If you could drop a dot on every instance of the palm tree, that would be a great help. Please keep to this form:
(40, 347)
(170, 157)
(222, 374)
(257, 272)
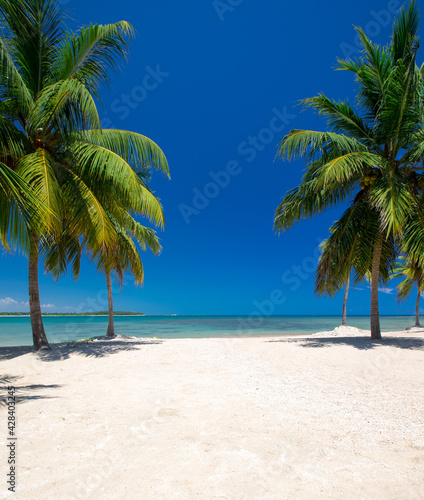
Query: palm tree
(49, 79)
(350, 248)
(324, 285)
(125, 257)
(413, 274)
(371, 155)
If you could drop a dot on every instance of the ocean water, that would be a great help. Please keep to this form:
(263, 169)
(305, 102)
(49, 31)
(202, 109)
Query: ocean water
(16, 331)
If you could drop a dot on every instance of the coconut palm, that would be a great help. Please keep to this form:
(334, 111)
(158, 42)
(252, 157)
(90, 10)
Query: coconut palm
(49, 80)
(413, 274)
(125, 257)
(324, 285)
(371, 155)
(350, 248)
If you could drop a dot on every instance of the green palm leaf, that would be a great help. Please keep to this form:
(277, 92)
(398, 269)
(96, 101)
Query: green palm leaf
(38, 171)
(63, 106)
(33, 29)
(103, 165)
(136, 149)
(89, 217)
(88, 55)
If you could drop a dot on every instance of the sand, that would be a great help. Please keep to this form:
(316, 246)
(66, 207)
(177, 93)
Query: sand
(329, 416)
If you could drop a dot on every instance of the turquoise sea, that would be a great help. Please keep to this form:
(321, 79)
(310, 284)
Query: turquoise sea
(15, 331)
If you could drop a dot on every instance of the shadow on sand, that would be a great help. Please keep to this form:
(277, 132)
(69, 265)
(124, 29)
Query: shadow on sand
(91, 349)
(363, 343)
(22, 393)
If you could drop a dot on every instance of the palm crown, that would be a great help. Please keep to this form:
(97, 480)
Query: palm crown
(52, 141)
(372, 157)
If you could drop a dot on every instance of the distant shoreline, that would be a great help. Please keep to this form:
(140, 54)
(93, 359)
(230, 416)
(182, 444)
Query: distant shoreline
(123, 313)
(100, 313)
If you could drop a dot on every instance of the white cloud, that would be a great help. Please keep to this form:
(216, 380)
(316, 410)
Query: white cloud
(8, 304)
(387, 291)
(48, 306)
(7, 301)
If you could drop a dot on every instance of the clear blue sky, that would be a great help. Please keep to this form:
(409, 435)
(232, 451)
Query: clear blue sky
(215, 84)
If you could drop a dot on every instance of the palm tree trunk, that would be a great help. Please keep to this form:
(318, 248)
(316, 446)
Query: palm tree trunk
(375, 274)
(417, 307)
(110, 326)
(346, 293)
(38, 333)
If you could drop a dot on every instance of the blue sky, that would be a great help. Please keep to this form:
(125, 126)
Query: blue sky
(216, 84)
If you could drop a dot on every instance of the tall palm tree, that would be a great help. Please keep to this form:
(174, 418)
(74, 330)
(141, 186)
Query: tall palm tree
(413, 274)
(49, 80)
(321, 284)
(371, 155)
(326, 286)
(350, 248)
(125, 257)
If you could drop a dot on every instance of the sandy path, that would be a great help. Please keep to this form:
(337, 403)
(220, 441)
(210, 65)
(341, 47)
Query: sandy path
(256, 418)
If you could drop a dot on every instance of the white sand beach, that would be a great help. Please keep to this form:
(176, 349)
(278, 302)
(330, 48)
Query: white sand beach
(327, 416)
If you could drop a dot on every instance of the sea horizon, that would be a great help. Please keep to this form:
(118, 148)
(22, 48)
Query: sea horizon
(16, 330)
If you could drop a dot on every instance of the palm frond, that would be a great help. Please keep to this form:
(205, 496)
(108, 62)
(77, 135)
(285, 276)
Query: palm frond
(12, 80)
(343, 119)
(306, 201)
(89, 55)
(38, 172)
(61, 250)
(63, 107)
(405, 30)
(34, 31)
(391, 196)
(99, 165)
(145, 236)
(347, 167)
(88, 217)
(137, 150)
(371, 71)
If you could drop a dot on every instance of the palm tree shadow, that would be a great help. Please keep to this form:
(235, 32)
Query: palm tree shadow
(22, 393)
(361, 343)
(90, 349)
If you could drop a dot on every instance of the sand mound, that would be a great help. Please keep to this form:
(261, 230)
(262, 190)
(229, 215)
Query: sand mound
(343, 331)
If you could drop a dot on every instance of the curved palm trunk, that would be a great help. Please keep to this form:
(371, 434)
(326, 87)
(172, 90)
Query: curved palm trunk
(110, 326)
(346, 293)
(417, 308)
(375, 274)
(38, 333)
